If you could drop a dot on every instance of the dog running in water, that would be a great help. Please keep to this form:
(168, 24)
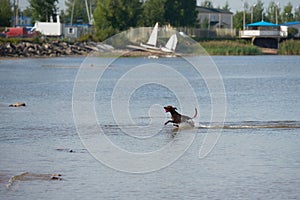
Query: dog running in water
(178, 118)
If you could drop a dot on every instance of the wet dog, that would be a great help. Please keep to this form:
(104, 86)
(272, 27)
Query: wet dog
(178, 118)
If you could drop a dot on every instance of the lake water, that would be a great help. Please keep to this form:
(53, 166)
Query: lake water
(256, 157)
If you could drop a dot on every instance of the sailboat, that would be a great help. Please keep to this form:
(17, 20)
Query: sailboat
(171, 44)
(151, 44)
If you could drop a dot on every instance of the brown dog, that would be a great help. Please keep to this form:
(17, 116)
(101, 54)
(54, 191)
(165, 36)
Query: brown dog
(178, 118)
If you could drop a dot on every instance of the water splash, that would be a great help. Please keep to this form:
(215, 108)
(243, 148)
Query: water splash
(253, 125)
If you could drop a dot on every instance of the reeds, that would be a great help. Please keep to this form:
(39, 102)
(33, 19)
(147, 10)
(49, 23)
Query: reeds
(290, 47)
(229, 47)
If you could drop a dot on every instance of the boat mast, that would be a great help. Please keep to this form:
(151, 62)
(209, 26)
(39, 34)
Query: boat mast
(72, 12)
(87, 11)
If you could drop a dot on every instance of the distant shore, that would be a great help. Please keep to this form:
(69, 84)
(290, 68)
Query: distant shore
(56, 48)
(241, 47)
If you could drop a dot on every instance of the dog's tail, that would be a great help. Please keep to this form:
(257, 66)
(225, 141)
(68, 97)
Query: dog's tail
(196, 113)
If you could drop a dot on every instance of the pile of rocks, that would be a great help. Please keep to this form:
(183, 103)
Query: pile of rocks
(51, 49)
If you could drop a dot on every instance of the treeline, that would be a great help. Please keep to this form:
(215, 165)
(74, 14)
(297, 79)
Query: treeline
(272, 13)
(113, 16)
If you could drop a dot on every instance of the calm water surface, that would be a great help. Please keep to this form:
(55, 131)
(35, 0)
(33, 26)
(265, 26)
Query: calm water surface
(256, 157)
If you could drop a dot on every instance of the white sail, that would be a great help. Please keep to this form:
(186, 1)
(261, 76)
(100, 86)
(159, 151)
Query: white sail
(153, 37)
(171, 44)
(151, 44)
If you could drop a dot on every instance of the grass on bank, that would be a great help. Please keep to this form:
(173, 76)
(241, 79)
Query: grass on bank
(289, 47)
(230, 47)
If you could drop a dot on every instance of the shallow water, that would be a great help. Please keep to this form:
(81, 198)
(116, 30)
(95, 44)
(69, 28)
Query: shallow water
(256, 157)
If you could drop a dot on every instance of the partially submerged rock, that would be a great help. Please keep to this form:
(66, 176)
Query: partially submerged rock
(18, 104)
(27, 176)
(71, 150)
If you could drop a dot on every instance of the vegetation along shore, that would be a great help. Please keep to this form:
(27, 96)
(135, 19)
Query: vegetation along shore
(242, 47)
(54, 48)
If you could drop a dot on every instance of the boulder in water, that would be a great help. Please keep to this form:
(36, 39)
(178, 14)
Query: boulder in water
(27, 176)
(18, 104)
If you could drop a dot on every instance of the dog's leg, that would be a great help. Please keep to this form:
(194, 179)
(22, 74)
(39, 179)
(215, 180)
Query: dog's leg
(170, 121)
(176, 125)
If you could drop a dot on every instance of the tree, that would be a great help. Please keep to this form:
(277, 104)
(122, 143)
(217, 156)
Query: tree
(43, 10)
(112, 16)
(273, 12)
(181, 12)
(238, 20)
(5, 12)
(188, 13)
(207, 4)
(292, 32)
(28, 12)
(287, 15)
(153, 11)
(63, 17)
(258, 10)
(79, 11)
(172, 10)
(226, 6)
(297, 13)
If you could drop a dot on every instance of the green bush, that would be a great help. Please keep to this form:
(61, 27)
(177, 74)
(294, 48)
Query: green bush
(290, 47)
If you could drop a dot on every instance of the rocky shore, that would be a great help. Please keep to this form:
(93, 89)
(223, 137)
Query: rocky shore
(58, 48)
(49, 49)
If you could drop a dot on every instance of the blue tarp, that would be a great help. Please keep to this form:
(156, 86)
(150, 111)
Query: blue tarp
(263, 23)
(291, 23)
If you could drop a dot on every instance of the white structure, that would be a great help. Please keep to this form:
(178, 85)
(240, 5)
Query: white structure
(49, 28)
(264, 29)
(284, 31)
(216, 18)
(295, 25)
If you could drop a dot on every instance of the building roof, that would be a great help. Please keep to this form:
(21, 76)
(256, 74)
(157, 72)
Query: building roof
(202, 9)
(263, 23)
(77, 25)
(291, 23)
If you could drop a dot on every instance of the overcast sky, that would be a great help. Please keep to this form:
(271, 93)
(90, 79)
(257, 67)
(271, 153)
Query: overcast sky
(238, 4)
(233, 4)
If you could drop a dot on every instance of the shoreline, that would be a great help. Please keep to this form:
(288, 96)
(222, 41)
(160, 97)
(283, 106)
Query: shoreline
(134, 55)
(29, 49)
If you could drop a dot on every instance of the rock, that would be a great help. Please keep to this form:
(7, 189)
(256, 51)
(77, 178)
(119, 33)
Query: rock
(55, 177)
(10, 46)
(18, 104)
(67, 150)
(68, 51)
(52, 49)
(27, 176)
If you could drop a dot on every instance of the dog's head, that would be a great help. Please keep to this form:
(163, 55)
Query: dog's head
(170, 108)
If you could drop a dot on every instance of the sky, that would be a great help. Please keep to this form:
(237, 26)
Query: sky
(238, 4)
(233, 4)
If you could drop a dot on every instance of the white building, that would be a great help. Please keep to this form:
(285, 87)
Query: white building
(215, 18)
